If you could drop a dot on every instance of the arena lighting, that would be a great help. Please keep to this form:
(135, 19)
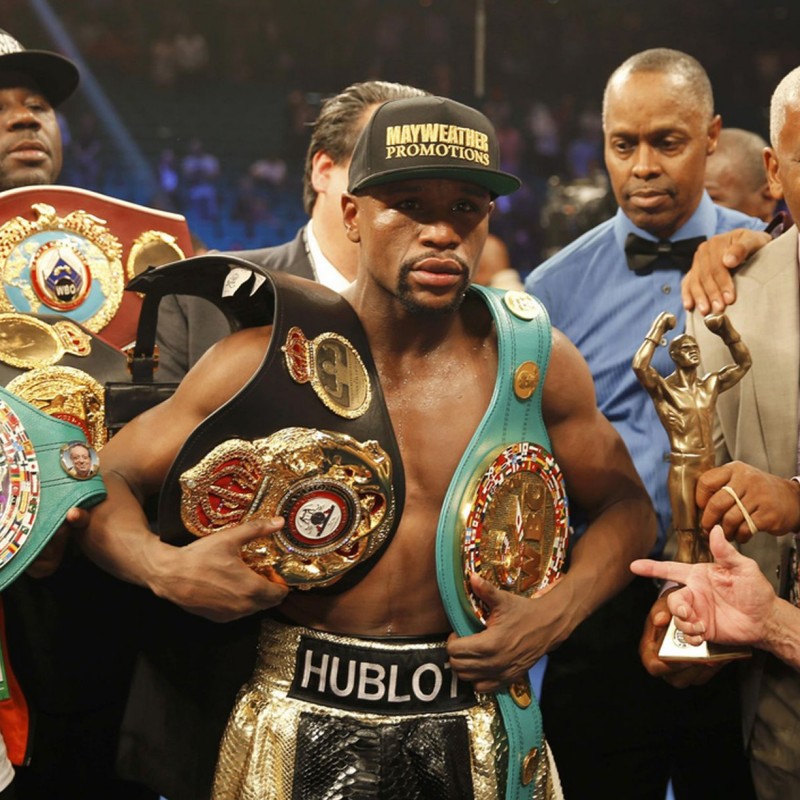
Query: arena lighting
(98, 100)
(480, 48)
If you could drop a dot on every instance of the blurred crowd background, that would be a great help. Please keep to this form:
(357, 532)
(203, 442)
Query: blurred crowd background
(202, 106)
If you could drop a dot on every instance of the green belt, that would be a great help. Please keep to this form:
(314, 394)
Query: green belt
(35, 483)
(523, 336)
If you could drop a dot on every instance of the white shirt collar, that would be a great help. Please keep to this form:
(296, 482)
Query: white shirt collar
(324, 271)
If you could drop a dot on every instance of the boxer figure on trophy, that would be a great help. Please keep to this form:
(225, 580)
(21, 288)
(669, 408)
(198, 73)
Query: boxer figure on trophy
(685, 403)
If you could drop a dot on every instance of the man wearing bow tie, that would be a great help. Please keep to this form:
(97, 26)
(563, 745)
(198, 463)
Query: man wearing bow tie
(608, 721)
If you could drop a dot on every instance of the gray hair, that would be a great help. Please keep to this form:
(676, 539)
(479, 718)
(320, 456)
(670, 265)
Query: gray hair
(786, 94)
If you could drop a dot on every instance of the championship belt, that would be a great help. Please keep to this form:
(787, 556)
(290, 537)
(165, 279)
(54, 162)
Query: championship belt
(505, 512)
(308, 437)
(46, 468)
(70, 252)
(335, 494)
(59, 367)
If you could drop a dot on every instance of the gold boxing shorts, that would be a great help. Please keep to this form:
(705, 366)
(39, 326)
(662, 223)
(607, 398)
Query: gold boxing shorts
(331, 716)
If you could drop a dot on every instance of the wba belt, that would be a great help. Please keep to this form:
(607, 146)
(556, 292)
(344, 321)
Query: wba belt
(505, 512)
(337, 480)
(39, 482)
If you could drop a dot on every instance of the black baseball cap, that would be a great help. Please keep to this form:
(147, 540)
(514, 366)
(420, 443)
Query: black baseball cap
(428, 137)
(55, 75)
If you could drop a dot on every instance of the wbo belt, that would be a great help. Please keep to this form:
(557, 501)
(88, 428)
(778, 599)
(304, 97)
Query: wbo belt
(46, 468)
(505, 512)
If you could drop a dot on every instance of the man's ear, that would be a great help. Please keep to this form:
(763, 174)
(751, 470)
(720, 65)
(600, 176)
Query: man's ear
(713, 134)
(773, 169)
(350, 217)
(321, 165)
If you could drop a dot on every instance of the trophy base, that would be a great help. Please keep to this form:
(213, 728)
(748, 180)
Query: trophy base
(676, 648)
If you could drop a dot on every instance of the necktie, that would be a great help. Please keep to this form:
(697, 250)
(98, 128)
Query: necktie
(645, 255)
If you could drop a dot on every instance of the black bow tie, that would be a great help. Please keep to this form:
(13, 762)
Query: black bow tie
(645, 255)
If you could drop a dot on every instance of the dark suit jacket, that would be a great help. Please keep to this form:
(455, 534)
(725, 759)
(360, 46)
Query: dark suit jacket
(188, 326)
(189, 669)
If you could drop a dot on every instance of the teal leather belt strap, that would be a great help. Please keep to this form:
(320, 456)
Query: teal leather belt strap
(514, 415)
(38, 481)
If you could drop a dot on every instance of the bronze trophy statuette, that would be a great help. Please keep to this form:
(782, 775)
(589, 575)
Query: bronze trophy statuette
(685, 403)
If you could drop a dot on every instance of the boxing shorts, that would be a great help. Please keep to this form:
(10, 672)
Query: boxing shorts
(326, 715)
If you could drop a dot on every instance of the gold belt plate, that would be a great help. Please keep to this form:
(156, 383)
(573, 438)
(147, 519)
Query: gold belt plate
(334, 493)
(333, 367)
(71, 265)
(30, 343)
(66, 393)
(516, 527)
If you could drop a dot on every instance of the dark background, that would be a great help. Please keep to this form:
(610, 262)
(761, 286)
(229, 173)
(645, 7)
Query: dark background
(268, 64)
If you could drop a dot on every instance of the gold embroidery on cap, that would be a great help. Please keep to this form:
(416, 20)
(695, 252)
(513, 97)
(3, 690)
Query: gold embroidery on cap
(437, 140)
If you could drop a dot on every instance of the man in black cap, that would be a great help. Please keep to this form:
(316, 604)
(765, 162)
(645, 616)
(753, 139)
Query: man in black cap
(188, 326)
(358, 688)
(32, 84)
(190, 665)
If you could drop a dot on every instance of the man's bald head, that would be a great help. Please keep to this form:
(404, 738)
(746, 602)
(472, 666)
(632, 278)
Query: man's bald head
(736, 176)
(665, 61)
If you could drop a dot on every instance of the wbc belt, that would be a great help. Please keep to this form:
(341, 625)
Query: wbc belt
(39, 482)
(505, 512)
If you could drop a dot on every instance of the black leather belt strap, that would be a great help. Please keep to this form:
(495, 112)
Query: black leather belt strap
(272, 400)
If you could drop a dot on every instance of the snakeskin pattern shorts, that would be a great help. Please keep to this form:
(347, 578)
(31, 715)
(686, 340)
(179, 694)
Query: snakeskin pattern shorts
(329, 717)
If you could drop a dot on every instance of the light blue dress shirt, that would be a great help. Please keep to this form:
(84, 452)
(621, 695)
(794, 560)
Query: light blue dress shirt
(605, 309)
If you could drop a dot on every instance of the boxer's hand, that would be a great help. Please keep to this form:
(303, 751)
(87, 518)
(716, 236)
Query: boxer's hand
(52, 554)
(208, 576)
(518, 632)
